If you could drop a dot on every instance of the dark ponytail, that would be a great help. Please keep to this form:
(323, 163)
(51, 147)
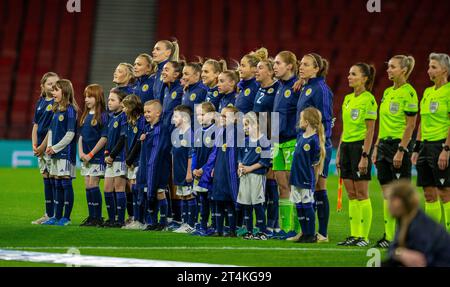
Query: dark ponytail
(320, 63)
(368, 71)
(178, 67)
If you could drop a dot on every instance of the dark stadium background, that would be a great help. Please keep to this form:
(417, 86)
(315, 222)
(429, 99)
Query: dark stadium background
(37, 36)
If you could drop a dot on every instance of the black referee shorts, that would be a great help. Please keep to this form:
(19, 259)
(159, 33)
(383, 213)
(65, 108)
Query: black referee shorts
(428, 172)
(350, 156)
(386, 172)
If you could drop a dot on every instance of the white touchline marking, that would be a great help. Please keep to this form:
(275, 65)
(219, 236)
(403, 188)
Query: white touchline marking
(95, 261)
(231, 248)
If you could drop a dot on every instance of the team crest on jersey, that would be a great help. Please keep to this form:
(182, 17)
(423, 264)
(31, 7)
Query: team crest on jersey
(247, 92)
(135, 130)
(258, 150)
(174, 95)
(434, 106)
(93, 122)
(192, 97)
(306, 147)
(49, 108)
(61, 118)
(116, 124)
(230, 105)
(145, 88)
(394, 107)
(287, 94)
(308, 92)
(215, 94)
(224, 147)
(208, 140)
(354, 114)
(271, 90)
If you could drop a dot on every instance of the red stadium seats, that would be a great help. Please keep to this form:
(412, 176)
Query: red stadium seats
(38, 36)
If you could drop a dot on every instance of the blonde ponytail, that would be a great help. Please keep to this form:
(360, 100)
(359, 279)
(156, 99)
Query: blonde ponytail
(406, 62)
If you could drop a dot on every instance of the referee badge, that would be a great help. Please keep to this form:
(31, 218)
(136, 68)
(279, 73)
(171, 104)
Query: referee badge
(145, 88)
(271, 90)
(306, 147)
(224, 147)
(355, 114)
(192, 97)
(116, 124)
(394, 107)
(49, 108)
(434, 106)
(247, 92)
(308, 91)
(61, 118)
(174, 95)
(287, 94)
(258, 150)
(215, 94)
(135, 130)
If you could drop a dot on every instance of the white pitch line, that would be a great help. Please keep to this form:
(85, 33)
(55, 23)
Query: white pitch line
(221, 248)
(95, 261)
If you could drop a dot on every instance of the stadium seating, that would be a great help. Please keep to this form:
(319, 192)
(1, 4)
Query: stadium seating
(37, 36)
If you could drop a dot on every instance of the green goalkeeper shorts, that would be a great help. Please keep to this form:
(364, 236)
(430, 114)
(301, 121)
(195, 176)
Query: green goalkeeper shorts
(283, 155)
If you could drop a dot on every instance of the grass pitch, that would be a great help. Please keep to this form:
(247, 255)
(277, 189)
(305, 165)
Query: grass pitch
(22, 200)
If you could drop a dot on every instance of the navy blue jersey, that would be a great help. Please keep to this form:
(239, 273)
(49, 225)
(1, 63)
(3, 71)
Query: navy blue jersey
(227, 100)
(143, 88)
(306, 156)
(141, 176)
(194, 95)
(214, 97)
(91, 132)
(428, 237)
(158, 85)
(204, 138)
(265, 98)
(285, 105)
(181, 152)
(172, 98)
(133, 134)
(43, 115)
(117, 127)
(224, 160)
(246, 97)
(156, 149)
(129, 90)
(62, 123)
(317, 94)
(256, 151)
